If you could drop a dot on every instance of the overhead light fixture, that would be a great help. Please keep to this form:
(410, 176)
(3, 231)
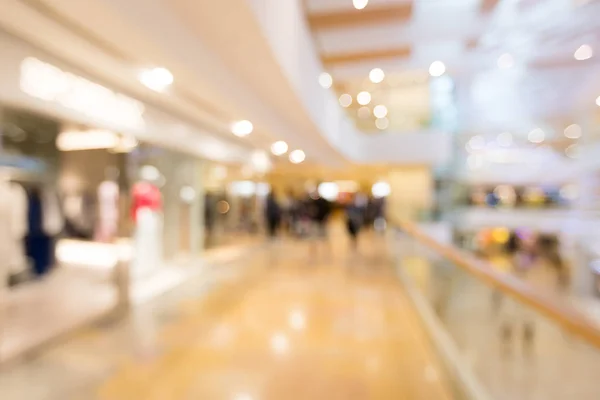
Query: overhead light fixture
(506, 61)
(363, 98)
(345, 100)
(376, 75)
(573, 131)
(584, 52)
(279, 148)
(297, 156)
(242, 128)
(325, 80)
(364, 112)
(157, 79)
(360, 4)
(380, 111)
(93, 139)
(536, 136)
(598, 101)
(505, 139)
(382, 123)
(437, 68)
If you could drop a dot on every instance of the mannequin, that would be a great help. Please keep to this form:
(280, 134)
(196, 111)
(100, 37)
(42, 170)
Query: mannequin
(147, 214)
(5, 231)
(108, 208)
(13, 228)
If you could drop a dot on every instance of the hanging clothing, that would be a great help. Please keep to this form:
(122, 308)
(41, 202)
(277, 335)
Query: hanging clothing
(53, 219)
(39, 245)
(18, 224)
(108, 211)
(13, 228)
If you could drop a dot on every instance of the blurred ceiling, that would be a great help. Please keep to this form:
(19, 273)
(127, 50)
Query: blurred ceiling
(512, 60)
(221, 75)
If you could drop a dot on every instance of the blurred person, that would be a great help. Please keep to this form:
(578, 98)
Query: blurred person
(513, 314)
(549, 248)
(319, 210)
(289, 206)
(272, 214)
(355, 218)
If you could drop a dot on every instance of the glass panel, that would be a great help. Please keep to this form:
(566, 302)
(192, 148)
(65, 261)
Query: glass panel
(515, 352)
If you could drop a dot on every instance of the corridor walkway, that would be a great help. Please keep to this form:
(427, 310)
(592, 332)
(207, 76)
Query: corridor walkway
(281, 323)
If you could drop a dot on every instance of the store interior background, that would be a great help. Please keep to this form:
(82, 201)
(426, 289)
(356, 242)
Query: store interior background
(138, 186)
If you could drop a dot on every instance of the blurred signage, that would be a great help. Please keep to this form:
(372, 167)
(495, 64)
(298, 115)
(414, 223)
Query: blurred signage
(21, 163)
(47, 82)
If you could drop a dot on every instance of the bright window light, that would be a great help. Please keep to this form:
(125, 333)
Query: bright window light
(279, 148)
(297, 156)
(242, 128)
(157, 79)
(376, 75)
(437, 68)
(325, 80)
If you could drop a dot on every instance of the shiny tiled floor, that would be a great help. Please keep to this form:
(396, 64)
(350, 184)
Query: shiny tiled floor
(283, 322)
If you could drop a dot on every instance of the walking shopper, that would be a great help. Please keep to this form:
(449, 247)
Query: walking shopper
(273, 214)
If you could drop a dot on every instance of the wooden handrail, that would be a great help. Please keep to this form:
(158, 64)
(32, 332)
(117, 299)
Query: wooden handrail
(562, 314)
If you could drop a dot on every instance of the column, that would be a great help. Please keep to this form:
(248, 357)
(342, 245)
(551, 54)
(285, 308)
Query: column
(412, 191)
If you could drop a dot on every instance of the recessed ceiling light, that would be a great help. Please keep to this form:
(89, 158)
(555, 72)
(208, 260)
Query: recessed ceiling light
(157, 79)
(360, 4)
(504, 139)
(364, 112)
(380, 111)
(376, 75)
(297, 156)
(437, 68)
(242, 128)
(363, 98)
(325, 80)
(573, 131)
(506, 61)
(572, 151)
(382, 123)
(476, 143)
(279, 148)
(345, 100)
(536, 136)
(584, 52)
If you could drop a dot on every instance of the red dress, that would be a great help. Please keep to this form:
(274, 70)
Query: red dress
(145, 195)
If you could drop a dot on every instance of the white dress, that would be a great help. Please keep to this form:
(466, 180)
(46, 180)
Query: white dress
(13, 229)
